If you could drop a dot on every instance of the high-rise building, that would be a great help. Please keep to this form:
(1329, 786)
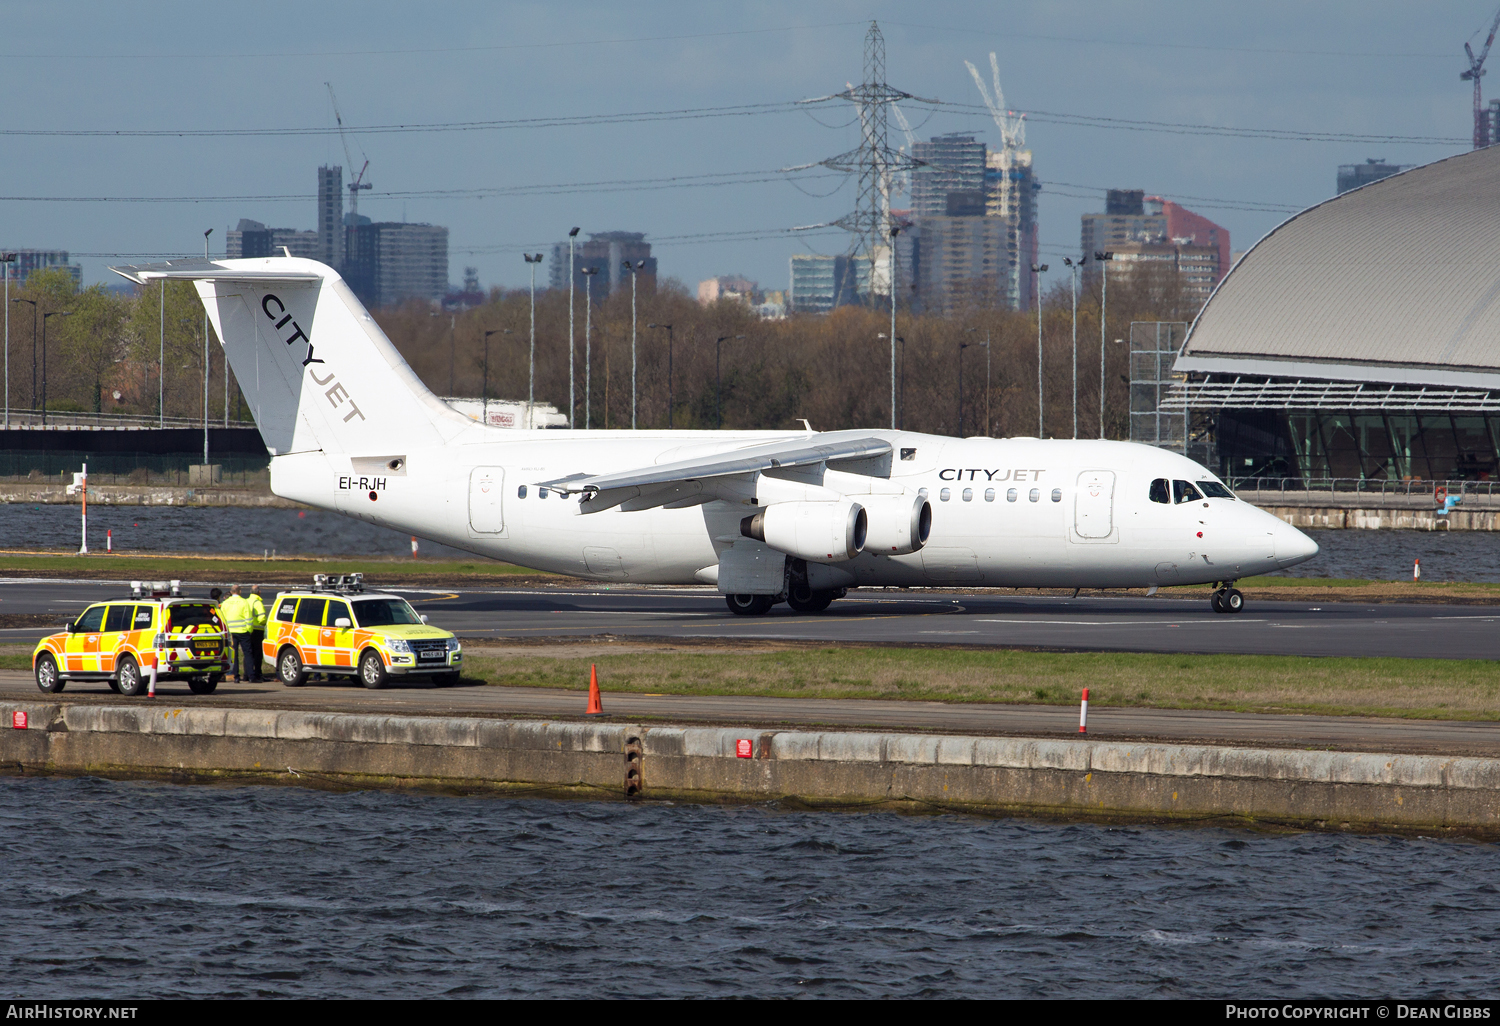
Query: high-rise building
(607, 251)
(31, 260)
(952, 261)
(729, 286)
(1141, 229)
(950, 163)
(1352, 176)
(253, 239)
(821, 283)
(331, 215)
(389, 262)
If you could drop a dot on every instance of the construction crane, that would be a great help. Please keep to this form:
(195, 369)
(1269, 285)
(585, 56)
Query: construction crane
(357, 181)
(1476, 70)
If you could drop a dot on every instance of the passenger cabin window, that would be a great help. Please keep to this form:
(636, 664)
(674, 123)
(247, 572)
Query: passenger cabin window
(521, 492)
(1214, 490)
(541, 493)
(310, 612)
(922, 493)
(286, 611)
(1010, 495)
(968, 495)
(142, 618)
(1036, 494)
(1184, 491)
(91, 620)
(118, 618)
(1161, 491)
(989, 495)
(945, 494)
(1057, 495)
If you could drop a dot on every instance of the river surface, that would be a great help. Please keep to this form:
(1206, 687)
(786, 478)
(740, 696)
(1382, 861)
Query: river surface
(1375, 555)
(119, 890)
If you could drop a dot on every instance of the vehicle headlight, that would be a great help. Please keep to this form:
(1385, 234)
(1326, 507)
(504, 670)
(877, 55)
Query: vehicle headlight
(454, 646)
(398, 645)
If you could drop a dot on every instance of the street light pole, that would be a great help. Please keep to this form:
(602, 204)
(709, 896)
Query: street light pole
(588, 353)
(33, 344)
(1036, 272)
(719, 381)
(484, 403)
(572, 402)
(634, 274)
(7, 259)
(901, 421)
(205, 361)
(1075, 268)
(1103, 261)
(49, 313)
(161, 367)
(894, 232)
(532, 261)
(988, 427)
(669, 370)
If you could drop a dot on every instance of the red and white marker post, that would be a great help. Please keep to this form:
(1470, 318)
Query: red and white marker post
(1416, 570)
(109, 541)
(413, 546)
(1083, 713)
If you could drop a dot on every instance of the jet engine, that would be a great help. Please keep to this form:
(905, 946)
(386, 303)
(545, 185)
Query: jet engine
(899, 524)
(817, 531)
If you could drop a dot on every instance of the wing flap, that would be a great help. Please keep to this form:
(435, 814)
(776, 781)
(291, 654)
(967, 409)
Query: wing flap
(794, 452)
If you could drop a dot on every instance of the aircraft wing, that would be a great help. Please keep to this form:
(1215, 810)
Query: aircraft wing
(690, 482)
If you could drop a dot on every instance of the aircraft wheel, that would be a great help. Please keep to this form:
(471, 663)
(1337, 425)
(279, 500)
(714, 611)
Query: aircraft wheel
(1233, 601)
(1217, 601)
(749, 605)
(809, 601)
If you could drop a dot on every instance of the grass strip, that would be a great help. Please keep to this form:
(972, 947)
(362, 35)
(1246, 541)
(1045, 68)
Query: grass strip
(1410, 688)
(1404, 688)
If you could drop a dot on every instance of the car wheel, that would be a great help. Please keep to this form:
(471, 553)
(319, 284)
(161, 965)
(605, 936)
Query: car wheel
(128, 678)
(372, 670)
(47, 677)
(204, 685)
(749, 605)
(289, 668)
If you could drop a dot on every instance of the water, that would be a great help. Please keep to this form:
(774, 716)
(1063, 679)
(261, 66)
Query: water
(227, 529)
(1377, 555)
(117, 890)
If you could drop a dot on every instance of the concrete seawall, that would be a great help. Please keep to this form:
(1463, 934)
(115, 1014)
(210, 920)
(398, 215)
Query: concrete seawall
(1087, 779)
(144, 495)
(1386, 518)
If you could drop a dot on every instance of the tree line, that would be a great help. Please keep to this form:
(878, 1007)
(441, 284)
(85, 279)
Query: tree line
(714, 364)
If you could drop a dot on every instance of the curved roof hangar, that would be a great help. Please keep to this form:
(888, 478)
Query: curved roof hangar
(1398, 281)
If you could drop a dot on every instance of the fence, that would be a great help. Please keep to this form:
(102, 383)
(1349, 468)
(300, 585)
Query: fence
(1264, 489)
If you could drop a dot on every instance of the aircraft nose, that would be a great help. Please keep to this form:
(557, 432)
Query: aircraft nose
(1292, 546)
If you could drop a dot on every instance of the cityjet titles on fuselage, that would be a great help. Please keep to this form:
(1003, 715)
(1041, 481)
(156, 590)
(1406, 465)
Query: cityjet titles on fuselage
(989, 475)
(336, 394)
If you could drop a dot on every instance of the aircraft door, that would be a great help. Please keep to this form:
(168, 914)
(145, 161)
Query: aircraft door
(1093, 507)
(486, 485)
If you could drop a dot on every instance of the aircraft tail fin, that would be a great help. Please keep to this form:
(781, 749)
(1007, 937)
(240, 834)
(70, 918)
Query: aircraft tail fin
(316, 369)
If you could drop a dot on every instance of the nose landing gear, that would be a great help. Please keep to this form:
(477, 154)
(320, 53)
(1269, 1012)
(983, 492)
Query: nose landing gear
(1228, 599)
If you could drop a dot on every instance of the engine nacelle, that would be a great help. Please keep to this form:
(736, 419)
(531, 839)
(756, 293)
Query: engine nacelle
(818, 531)
(898, 524)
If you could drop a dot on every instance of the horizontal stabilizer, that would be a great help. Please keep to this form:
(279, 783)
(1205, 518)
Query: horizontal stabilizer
(208, 270)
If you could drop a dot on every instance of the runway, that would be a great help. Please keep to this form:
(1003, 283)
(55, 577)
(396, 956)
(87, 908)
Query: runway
(1000, 619)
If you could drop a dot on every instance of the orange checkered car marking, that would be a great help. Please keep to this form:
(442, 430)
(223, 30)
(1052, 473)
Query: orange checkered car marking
(340, 630)
(183, 638)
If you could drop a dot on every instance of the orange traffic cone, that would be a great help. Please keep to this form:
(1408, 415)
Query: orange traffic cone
(596, 708)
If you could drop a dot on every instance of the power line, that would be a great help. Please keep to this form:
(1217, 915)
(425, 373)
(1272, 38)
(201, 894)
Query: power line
(563, 121)
(417, 50)
(1190, 128)
(710, 180)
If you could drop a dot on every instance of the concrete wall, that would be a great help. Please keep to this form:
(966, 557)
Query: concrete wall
(1376, 518)
(143, 495)
(1096, 779)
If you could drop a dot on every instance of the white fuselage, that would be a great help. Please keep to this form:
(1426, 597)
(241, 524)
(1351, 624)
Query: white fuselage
(1017, 512)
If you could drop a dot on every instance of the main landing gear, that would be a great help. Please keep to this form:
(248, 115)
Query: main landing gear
(1227, 599)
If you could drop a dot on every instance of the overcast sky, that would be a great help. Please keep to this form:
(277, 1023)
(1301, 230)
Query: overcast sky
(1373, 68)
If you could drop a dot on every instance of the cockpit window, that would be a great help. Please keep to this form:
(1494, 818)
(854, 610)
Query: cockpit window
(1214, 490)
(1161, 491)
(1184, 491)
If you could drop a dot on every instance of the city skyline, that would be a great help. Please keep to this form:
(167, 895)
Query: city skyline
(502, 65)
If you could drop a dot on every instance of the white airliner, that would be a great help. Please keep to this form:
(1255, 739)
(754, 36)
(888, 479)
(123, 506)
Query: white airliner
(767, 516)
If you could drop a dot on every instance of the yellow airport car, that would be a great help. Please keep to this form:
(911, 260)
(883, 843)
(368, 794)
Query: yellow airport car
(338, 628)
(121, 641)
